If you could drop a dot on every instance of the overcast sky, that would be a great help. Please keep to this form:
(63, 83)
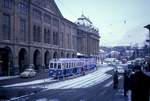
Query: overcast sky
(120, 22)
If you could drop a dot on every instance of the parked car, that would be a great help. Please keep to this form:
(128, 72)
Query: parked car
(28, 73)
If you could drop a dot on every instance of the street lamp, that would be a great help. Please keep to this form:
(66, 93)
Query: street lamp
(148, 27)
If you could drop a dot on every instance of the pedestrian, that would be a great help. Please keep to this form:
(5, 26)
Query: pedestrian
(115, 79)
(140, 85)
(147, 64)
(126, 82)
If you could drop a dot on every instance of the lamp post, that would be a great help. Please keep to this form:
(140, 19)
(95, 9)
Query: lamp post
(148, 27)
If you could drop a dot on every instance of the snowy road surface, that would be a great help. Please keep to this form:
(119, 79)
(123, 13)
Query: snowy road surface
(83, 81)
(88, 80)
(95, 86)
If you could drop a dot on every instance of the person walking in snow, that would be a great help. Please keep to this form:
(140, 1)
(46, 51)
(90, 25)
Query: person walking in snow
(115, 79)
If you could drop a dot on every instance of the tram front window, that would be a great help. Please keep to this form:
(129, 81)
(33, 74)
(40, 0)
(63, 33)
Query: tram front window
(51, 65)
(59, 66)
(67, 65)
(55, 65)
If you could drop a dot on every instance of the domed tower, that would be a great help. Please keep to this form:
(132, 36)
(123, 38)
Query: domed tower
(86, 24)
(88, 37)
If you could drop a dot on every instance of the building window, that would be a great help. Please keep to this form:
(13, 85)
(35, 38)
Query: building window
(55, 22)
(23, 8)
(55, 38)
(47, 19)
(37, 14)
(34, 33)
(7, 4)
(23, 29)
(46, 36)
(22, 26)
(6, 27)
(68, 40)
(39, 29)
(37, 33)
(62, 40)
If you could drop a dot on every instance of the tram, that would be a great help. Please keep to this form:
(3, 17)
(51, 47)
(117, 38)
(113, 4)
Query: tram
(65, 67)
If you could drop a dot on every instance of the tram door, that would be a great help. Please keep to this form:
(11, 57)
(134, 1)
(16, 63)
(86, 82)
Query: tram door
(3, 62)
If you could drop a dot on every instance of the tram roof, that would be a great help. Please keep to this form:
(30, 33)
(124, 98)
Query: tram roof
(67, 59)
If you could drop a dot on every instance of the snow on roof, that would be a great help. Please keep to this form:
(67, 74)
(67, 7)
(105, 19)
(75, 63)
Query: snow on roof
(79, 54)
(110, 59)
(101, 51)
(86, 23)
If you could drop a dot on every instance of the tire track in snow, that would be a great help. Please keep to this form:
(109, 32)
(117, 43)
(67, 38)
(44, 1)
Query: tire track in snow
(84, 81)
(63, 84)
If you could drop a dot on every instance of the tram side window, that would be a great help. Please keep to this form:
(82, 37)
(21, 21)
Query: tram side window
(55, 65)
(63, 65)
(72, 65)
(51, 65)
(59, 66)
(69, 65)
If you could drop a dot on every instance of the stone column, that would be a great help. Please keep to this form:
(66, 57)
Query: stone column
(31, 52)
(51, 31)
(43, 58)
(16, 59)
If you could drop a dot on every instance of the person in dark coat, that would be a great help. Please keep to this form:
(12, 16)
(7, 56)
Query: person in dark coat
(140, 85)
(147, 64)
(126, 82)
(115, 79)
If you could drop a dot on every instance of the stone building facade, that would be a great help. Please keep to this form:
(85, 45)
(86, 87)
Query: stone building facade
(88, 37)
(31, 33)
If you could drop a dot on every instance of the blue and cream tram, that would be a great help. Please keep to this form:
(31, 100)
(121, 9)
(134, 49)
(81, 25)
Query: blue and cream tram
(65, 67)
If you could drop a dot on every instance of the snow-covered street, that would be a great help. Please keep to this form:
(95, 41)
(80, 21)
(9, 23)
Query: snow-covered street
(85, 81)
(96, 84)
(88, 80)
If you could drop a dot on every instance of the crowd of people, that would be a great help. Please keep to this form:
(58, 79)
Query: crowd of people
(136, 80)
